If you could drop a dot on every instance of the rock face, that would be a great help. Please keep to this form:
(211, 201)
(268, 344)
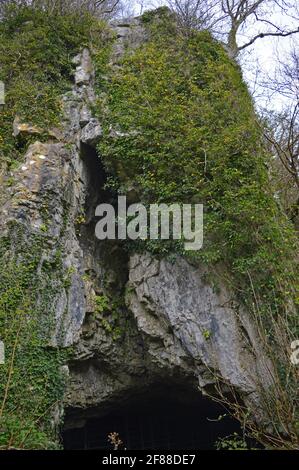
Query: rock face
(47, 198)
(175, 305)
(132, 322)
(176, 323)
(91, 132)
(177, 328)
(44, 200)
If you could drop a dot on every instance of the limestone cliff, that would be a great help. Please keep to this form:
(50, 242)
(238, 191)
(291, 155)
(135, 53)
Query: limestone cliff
(127, 321)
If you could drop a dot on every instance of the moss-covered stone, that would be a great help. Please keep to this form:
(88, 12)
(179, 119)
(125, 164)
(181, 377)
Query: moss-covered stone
(36, 50)
(189, 134)
(32, 367)
(36, 66)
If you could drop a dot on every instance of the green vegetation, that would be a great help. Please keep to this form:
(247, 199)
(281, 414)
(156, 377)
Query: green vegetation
(36, 66)
(31, 382)
(207, 334)
(233, 442)
(108, 313)
(189, 133)
(36, 51)
(102, 303)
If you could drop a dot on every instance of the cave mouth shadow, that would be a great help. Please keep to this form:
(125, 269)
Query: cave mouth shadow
(156, 419)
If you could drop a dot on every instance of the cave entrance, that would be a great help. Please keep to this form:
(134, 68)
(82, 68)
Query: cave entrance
(155, 420)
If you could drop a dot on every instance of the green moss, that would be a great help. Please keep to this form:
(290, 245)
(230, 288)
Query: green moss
(108, 314)
(162, 13)
(36, 66)
(32, 367)
(36, 51)
(207, 334)
(191, 135)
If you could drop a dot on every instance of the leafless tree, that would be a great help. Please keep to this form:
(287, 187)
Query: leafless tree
(229, 19)
(284, 139)
(129, 9)
(195, 14)
(282, 133)
(240, 12)
(285, 80)
(96, 7)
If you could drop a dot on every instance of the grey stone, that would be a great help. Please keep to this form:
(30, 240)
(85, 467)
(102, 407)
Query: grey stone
(84, 70)
(172, 326)
(91, 133)
(85, 115)
(207, 324)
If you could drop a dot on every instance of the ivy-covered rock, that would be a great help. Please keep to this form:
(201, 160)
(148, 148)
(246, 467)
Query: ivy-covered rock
(160, 117)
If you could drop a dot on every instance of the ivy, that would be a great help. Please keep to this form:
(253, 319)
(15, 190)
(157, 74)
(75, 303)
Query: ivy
(189, 134)
(36, 66)
(36, 51)
(32, 367)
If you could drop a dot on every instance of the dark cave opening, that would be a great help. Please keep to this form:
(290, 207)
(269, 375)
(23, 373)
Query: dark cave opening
(96, 179)
(166, 415)
(155, 420)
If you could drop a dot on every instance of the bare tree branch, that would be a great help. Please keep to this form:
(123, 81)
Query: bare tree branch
(234, 16)
(264, 35)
